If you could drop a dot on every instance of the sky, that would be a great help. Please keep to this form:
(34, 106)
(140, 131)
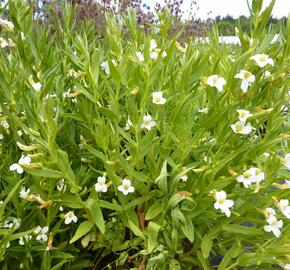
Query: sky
(234, 8)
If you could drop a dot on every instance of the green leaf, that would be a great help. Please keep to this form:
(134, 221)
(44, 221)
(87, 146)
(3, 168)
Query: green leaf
(82, 230)
(153, 229)
(162, 178)
(153, 211)
(96, 213)
(239, 229)
(206, 245)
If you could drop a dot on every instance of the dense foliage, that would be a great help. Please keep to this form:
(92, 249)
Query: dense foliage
(136, 151)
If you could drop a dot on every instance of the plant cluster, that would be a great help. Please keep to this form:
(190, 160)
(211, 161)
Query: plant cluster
(135, 151)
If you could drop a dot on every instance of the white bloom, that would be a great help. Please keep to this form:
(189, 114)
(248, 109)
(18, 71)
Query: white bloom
(184, 178)
(154, 55)
(73, 73)
(140, 56)
(69, 217)
(287, 183)
(41, 233)
(1, 202)
(5, 124)
(158, 98)
(24, 160)
(126, 187)
(101, 185)
(3, 43)
(287, 161)
(24, 193)
(216, 81)
(257, 175)
(148, 123)
(287, 266)
(267, 74)
(164, 54)
(153, 44)
(270, 212)
(274, 225)
(24, 239)
(223, 204)
(204, 110)
(266, 154)
(1, 136)
(245, 178)
(20, 133)
(105, 66)
(284, 207)
(7, 24)
(61, 186)
(128, 124)
(36, 86)
(247, 79)
(13, 224)
(241, 127)
(244, 115)
(262, 60)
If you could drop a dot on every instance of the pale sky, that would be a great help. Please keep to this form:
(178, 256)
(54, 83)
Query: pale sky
(234, 8)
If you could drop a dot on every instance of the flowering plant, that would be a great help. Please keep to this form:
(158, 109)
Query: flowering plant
(138, 152)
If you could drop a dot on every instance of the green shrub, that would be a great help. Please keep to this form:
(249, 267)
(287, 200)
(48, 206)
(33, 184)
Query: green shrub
(118, 153)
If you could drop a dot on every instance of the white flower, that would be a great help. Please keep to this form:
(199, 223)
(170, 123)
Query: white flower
(69, 217)
(1, 136)
(36, 86)
(73, 73)
(274, 225)
(270, 212)
(287, 161)
(158, 98)
(61, 186)
(164, 54)
(5, 124)
(41, 233)
(247, 79)
(1, 202)
(257, 175)
(223, 204)
(216, 81)
(20, 133)
(153, 44)
(24, 193)
(3, 43)
(126, 187)
(284, 207)
(204, 110)
(7, 24)
(245, 178)
(13, 224)
(24, 239)
(148, 123)
(128, 124)
(105, 66)
(287, 266)
(101, 185)
(140, 56)
(267, 74)
(24, 160)
(154, 55)
(241, 127)
(244, 115)
(287, 183)
(262, 60)
(266, 154)
(184, 178)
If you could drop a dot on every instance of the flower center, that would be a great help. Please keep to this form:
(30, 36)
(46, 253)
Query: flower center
(263, 58)
(126, 187)
(239, 127)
